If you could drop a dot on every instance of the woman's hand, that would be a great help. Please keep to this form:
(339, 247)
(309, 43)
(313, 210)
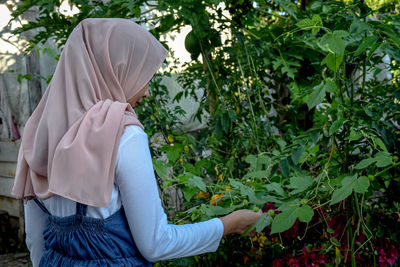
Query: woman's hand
(239, 221)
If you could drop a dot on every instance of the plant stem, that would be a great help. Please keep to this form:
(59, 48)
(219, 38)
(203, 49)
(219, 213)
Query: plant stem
(364, 70)
(388, 168)
(349, 211)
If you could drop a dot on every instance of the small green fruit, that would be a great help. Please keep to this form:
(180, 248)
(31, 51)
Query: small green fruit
(371, 178)
(245, 202)
(271, 213)
(256, 209)
(192, 44)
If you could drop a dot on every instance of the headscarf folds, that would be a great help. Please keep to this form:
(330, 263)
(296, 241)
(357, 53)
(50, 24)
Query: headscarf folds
(71, 140)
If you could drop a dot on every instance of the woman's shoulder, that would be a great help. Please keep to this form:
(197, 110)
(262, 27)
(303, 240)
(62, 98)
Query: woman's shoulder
(132, 132)
(133, 129)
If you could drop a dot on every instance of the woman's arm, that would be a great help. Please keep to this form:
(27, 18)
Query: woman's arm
(35, 222)
(154, 237)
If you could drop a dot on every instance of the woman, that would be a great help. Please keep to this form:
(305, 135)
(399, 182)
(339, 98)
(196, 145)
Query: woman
(84, 160)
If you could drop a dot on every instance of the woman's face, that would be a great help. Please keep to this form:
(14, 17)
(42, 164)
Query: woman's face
(136, 99)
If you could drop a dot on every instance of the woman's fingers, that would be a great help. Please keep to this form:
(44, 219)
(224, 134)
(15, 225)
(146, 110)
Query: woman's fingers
(239, 221)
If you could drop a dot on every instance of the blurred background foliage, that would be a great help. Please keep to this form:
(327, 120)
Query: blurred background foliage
(303, 107)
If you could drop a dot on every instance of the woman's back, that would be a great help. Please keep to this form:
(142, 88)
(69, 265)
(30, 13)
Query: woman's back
(135, 188)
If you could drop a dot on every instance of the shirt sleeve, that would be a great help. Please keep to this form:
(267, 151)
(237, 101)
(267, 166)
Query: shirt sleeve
(154, 237)
(35, 222)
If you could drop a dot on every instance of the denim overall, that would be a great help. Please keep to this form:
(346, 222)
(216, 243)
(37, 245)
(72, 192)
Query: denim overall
(79, 240)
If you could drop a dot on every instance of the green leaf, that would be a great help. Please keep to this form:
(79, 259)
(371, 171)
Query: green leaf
(252, 160)
(387, 183)
(235, 184)
(275, 187)
(262, 160)
(305, 24)
(305, 213)
(286, 66)
(341, 33)
(334, 43)
(318, 22)
(380, 143)
(244, 190)
(361, 185)
(300, 184)
(330, 86)
(189, 192)
(263, 222)
(343, 192)
(173, 151)
(333, 62)
(284, 165)
(340, 194)
(367, 42)
(296, 154)
(368, 112)
(196, 181)
(316, 97)
(317, 19)
(212, 211)
(347, 180)
(354, 135)
(383, 159)
(373, 49)
(336, 125)
(283, 221)
(256, 174)
(161, 168)
(365, 163)
(357, 27)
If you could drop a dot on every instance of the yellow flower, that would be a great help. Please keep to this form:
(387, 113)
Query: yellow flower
(338, 252)
(261, 239)
(202, 194)
(180, 160)
(220, 177)
(236, 93)
(186, 149)
(228, 189)
(237, 110)
(170, 139)
(214, 199)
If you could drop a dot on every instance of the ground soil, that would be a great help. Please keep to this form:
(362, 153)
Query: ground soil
(15, 260)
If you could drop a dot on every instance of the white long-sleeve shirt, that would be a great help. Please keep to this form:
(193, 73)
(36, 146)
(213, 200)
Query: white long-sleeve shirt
(135, 188)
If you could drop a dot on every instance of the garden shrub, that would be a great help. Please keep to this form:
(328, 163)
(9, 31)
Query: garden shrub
(300, 125)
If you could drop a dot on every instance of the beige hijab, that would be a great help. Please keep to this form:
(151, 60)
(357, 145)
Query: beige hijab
(70, 142)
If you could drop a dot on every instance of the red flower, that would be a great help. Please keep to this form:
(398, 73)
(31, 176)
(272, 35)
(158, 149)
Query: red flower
(307, 259)
(292, 232)
(337, 224)
(388, 253)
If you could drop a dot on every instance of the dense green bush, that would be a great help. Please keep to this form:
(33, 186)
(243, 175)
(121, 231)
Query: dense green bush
(300, 124)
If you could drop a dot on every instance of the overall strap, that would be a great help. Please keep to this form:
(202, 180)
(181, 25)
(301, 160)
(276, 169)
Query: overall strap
(41, 206)
(81, 209)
